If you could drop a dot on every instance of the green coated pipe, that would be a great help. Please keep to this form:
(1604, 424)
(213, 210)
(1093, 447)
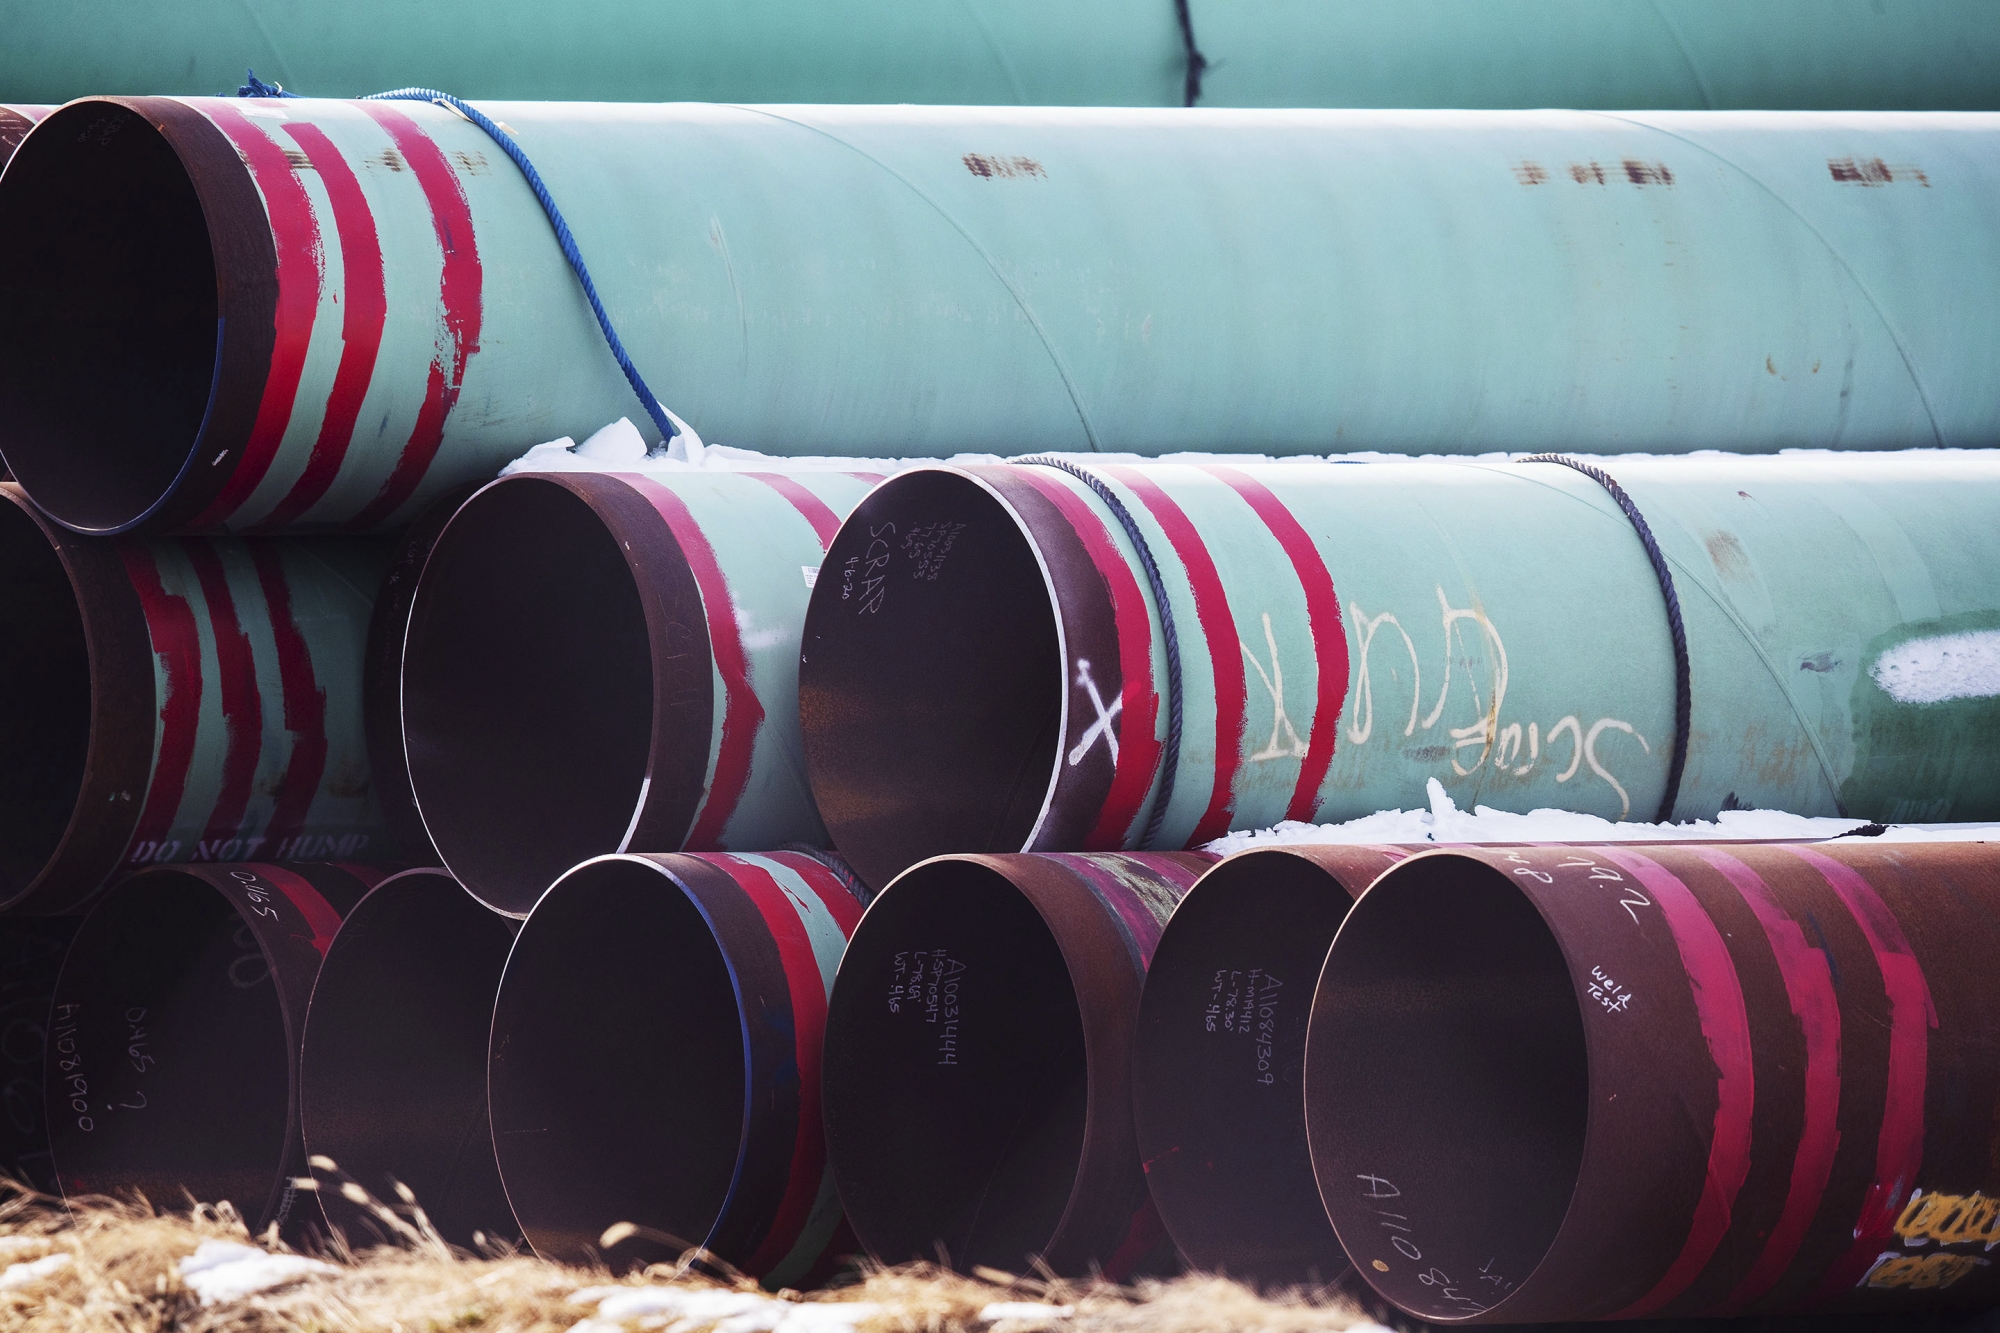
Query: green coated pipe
(984, 667)
(1693, 54)
(266, 314)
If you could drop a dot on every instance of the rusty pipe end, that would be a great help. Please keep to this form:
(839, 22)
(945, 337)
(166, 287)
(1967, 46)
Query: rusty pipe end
(392, 1079)
(133, 228)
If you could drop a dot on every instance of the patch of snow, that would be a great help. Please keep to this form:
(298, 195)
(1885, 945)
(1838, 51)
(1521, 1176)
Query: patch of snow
(686, 1309)
(1940, 668)
(616, 445)
(220, 1271)
(1444, 822)
(20, 1275)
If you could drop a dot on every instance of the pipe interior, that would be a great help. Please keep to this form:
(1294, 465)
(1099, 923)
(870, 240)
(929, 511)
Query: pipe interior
(1448, 1082)
(955, 1100)
(182, 1045)
(932, 700)
(105, 372)
(45, 681)
(617, 1069)
(393, 1075)
(527, 691)
(1219, 1063)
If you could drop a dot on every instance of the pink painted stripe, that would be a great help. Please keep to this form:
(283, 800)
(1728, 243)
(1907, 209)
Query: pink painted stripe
(1899, 1145)
(1725, 1026)
(1218, 627)
(825, 523)
(242, 707)
(364, 311)
(742, 710)
(872, 478)
(1139, 749)
(304, 700)
(839, 903)
(1809, 987)
(176, 643)
(461, 293)
(1329, 634)
(295, 234)
(320, 917)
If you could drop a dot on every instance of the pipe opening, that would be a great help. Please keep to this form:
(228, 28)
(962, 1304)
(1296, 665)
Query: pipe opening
(183, 1060)
(527, 692)
(104, 384)
(618, 1068)
(1219, 1063)
(931, 685)
(956, 1079)
(1447, 1085)
(392, 1082)
(45, 681)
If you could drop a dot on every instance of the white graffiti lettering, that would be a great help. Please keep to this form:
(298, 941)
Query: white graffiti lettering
(1101, 727)
(1274, 684)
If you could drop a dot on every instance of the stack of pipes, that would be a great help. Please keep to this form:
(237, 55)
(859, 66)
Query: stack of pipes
(790, 859)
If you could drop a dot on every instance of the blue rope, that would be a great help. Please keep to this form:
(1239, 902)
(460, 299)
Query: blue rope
(256, 87)
(1170, 762)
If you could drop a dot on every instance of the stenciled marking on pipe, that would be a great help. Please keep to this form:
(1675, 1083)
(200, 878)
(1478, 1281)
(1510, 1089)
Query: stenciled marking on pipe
(176, 644)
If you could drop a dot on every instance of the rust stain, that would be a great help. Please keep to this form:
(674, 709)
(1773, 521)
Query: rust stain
(1873, 172)
(1727, 555)
(1007, 168)
(1585, 173)
(297, 160)
(1647, 173)
(1531, 173)
(1768, 367)
(472, 164)
(389, 158)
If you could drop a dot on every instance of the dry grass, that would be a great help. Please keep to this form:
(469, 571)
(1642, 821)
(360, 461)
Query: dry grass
(123, 1276)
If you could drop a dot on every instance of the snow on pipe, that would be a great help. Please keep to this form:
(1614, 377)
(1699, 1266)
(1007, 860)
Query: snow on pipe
(655, 1062)
(983, 666)
(31, 954)
(325, 313)
(1531, 53)
(392, 1081)
(174, 1037)
(596, 663)
(188, 699)
(1217, 1066)
(1560, 1083)
(1019, 1145)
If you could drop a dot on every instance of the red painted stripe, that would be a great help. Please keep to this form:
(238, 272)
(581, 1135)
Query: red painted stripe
(318, 912)
(1899, 1145)
(1329, 635)
(460, 293)
(1725, 1026)
(1139, 748)
(242, 708)
(176, 641)
(839, 903)
(1144, 1236)
(808, 995)
(1809, 986)
(742, 710)
(305, 701)
(1218, 627)
(825, 523)
(295, 234)
(364, 310)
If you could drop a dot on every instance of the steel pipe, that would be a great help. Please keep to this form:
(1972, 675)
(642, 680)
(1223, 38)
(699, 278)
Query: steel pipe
(978, 1062)
(174, 1037)
(987, 670)
(176, 700)
(1558, 1083)
(392, 1075)
(1218, 1096)
(656, 1061)
(601, 662)
(31, 954)
(333, 311)
(15, 122)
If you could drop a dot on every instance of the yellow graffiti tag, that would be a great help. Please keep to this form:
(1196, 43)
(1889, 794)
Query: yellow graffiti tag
(1950, 1219)
(1920, 1272)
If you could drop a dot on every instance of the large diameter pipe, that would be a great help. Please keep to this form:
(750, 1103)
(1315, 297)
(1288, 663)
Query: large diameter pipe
(31, 955)
(1682, 53)
(1218, 1094)
(174, 1038)
(332, 311)
(601, 662)
(1560, 1083)
(193, 699)
(15, 122)
(655, 1061)
(978, 1062)
(392, 1073)
(985, 668)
